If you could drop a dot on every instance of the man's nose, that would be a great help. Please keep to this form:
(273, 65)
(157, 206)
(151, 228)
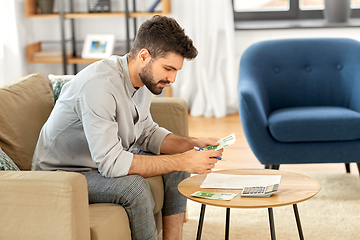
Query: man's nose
(171, 78)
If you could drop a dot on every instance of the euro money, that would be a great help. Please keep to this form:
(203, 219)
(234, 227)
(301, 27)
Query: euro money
(226, 141)
(214, 195)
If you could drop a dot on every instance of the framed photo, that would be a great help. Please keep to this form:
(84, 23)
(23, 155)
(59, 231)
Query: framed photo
(99, 6)
(98, 46)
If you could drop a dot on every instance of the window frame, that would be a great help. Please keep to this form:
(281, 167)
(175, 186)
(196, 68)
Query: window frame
(294, 13)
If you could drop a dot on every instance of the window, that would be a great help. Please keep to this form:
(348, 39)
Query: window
(284, 9)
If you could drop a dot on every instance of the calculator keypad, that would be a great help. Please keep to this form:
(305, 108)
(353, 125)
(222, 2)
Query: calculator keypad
(255, 192)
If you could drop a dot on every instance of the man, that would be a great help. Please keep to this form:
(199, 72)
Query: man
(102, 118)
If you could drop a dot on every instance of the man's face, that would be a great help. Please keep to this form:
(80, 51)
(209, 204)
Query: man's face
(159, 72)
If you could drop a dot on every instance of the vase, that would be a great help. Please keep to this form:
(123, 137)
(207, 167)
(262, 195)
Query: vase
(337, 11)
(45, 6)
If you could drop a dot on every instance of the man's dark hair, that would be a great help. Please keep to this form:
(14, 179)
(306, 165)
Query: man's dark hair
(161, 35)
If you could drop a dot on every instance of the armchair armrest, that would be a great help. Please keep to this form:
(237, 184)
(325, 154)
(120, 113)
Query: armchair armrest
(171, 113)
(254, 102)
(44, 205)
(355, 97)
(254, 110)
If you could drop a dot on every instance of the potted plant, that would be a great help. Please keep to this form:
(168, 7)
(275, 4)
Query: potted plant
(45, 6)
(337, 11)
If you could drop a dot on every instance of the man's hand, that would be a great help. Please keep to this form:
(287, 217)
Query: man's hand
(199, 162)
(173, 144)
(178, 154)
(191, 160)
(204, 142)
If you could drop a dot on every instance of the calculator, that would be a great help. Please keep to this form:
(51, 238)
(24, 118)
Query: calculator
(260, 191)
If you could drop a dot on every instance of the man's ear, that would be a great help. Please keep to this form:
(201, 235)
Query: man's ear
(144, 55)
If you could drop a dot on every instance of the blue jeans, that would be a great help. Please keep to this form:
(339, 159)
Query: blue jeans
(133, 193)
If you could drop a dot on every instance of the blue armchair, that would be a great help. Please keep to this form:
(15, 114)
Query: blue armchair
(299, 101)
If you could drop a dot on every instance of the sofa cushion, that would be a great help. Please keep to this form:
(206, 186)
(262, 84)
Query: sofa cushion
(170, 113)
(6, 163)
(314, 124)
(157, 189)
(25, 106)
(109, 221)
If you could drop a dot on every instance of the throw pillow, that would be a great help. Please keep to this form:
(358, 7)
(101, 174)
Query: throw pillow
(58, 82)
(6, 164)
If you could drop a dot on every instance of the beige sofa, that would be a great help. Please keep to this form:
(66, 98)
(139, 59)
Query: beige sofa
(54, 205)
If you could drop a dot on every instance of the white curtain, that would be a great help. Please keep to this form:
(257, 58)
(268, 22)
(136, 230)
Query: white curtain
(12, 43)
(208, 83)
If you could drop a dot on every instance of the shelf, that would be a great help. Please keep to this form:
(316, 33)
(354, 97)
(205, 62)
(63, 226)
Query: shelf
(112, 14)
(95, 15)
(81, 60)
(30, 12)
(35, 53)
(34, 48)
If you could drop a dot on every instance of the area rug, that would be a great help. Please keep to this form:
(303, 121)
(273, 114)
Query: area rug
(334, 213)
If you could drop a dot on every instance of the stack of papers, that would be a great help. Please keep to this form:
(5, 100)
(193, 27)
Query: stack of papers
(228, 181)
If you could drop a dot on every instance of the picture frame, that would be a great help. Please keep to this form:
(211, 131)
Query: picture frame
(96, 6)
(98, 46)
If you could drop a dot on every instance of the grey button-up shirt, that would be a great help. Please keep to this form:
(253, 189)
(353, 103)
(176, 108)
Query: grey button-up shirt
(97, 119)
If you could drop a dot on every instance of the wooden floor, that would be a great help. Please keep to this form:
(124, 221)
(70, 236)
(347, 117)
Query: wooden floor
(239, 155)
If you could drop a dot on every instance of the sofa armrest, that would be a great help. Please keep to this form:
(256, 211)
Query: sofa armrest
(44, 205)
(171, 113)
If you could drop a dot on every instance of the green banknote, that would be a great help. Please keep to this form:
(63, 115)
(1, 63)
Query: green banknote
(214, 195)
(226, 141)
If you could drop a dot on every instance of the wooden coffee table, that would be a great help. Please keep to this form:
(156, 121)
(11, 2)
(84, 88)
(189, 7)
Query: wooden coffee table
(294, 188)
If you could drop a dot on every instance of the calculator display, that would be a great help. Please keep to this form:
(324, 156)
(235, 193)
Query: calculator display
(271, 188)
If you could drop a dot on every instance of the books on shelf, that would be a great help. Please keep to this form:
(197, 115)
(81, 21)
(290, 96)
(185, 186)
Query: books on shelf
(50, 55)
(154, 5)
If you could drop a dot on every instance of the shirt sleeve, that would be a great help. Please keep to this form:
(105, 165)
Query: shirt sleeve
(96, 107)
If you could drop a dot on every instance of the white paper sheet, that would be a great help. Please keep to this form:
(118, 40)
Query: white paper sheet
(228, 181)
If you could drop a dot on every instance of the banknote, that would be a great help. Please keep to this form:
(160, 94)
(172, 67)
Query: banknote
(226, 141)
(214, 195)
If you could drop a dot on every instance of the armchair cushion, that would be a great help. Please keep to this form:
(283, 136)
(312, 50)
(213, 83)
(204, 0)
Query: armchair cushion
(314, 124)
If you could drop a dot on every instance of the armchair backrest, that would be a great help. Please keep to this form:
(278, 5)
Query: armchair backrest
(304, 72)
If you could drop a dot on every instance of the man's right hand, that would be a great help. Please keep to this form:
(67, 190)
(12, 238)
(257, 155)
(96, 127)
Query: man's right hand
(199, 162)
(192, 161)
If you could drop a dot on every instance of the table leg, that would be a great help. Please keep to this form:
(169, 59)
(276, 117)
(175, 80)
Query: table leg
(227, 226)
(296, 212)
(201, 221)
(272, 225)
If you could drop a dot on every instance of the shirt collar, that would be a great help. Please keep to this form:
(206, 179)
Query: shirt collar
(126, 75)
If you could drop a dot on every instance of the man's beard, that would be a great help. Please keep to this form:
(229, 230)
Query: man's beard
(147, 78)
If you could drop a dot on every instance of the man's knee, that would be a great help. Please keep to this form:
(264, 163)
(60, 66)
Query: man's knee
(138, 192)
(174, 178)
